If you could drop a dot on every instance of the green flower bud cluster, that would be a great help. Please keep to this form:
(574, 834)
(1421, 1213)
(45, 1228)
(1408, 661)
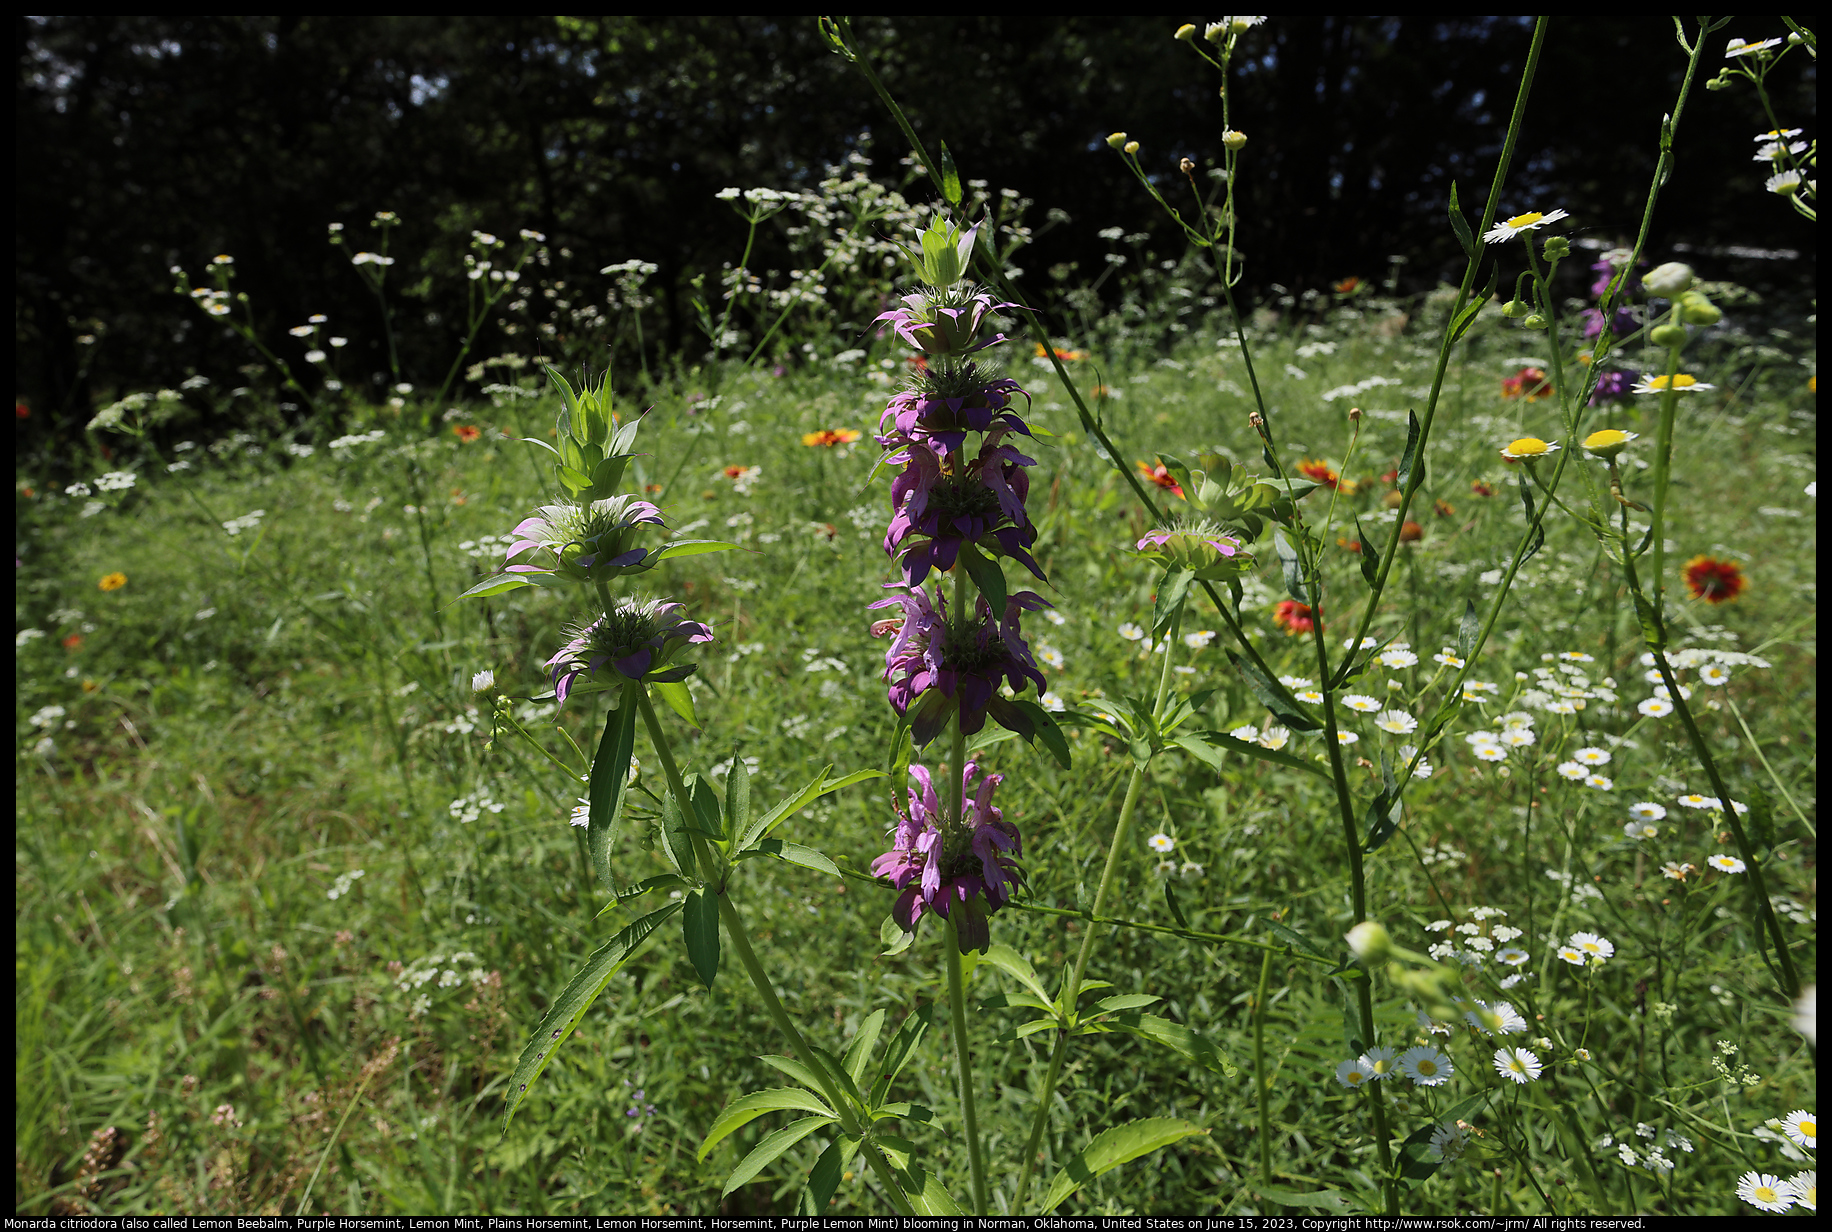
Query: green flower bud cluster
(947, 253)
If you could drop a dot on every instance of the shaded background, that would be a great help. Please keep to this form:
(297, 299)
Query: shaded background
(148, 142)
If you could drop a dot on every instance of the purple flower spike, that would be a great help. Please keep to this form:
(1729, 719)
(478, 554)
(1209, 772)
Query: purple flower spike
(637, 639)
(948, 505)
(943, 422)
(934, 670)
(1622, 321)
(1612, 387)
(962, 873)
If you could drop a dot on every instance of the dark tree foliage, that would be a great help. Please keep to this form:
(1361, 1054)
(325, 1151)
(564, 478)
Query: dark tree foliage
(148, 142)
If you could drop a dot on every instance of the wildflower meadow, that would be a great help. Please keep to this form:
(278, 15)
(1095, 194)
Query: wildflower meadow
(942, 742)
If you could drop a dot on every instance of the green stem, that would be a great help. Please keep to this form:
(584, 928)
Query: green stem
(1261, 1078)
(747, 957)
(957, 1010)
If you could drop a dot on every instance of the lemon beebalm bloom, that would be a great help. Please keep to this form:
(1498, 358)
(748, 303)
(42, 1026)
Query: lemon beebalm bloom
(1680, 383)
(1528, 447)
(1609, 442)
(1520, 224)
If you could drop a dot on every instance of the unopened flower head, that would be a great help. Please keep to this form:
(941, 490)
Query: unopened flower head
(638, 639)
(1200, 547)
(584, 542)
(1609, 442)
(1528, 448)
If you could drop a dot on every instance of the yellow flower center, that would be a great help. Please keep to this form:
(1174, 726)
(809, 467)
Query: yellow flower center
(1678, 381)
(1606, 438)
(1527, 446)
(1809, 1129)
(1355, 1077)
(1523, 220)
(1765, 1194)
(1428, 1069)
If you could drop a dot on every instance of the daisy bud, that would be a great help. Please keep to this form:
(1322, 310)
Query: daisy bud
(1185, 33)
(1116, 140)
(1671, 336)
(1533, 320)
(1668, 280)
(1514, 309)
(1132, 147)
(1354, 414)
(483, 681)
(1557, 248)
(1215, 31)
(1186, 167)
(1370, 941)
(1695, 309)
(1234, 139)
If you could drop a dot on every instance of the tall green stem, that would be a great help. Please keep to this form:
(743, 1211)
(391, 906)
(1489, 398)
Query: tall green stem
(1071, 991)
(957, 1012)
(1260, 1077)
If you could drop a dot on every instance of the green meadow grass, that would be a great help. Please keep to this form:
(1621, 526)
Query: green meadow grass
(254, 717)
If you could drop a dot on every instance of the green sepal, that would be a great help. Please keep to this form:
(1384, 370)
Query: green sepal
(700, 931)
(497, 584)
(892, 936)
(1171, 592)
(950, 177)
(689, 547)
(577, 997)
(679, 699)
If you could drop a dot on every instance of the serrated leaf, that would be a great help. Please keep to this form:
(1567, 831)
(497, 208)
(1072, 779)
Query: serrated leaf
(927, 1195)
(1124, 1001)
(1292, 565)
(1205, 745)
(747, 1108)
(821, 786)
(737, 797)
(1120, 1145)
(1192, 1046)
(1025, 1030)
(679, 700)
(610, 772)
(577, 997)
(841, 1078)
(1009, 1000)
(858, 1053)
(902, 1111)
(662, 881)
(949, 175)
(1410, 459)
(1460, 225)
(1014, 964)
(796, 1070)
(700, 930)
(1273, 695)
(902, 1047)
(1172, 590)
(824, 1178)
(766, 1152)
(795, 853)
(1467, 630)
(1292, 936)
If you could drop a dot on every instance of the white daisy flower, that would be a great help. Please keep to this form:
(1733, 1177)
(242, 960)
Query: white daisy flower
(1490, 752)
(1361, 702)
(1132, 632)
(1347, 737)
(1426, 1066)
(1352, 1074)
(1517, 1065)
(1296, 682)
(1572, 771)
(1765, 1192)
(1520, 224)
(1274, 737)
(1161, 842)
(1802, 1128)
(1726, 864)
(1591, 756)
(1647, 811)
(1397, 658)
(1397, 722)
(1639, 830)
(1602, 782)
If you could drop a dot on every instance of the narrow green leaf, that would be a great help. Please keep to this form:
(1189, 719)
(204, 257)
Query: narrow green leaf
(1273, 695)
(1467, 630)
(1120, 1145)
(1460, 225)
(794, 1069)
(950, 177)
(1333, 1200)
(1170, 900)
(1192, 1046)
(1355, 1032)
(893, 938)
(737, 797)
(674, 838)
(1124, 1001)
(796, 853)
(1526, 501)
(1205, 745)
(610, 771)
(700, 930)
(1410, 459)
(496, 584)
(841, 1078)
(1370, 563)
(1292, 565)
(1292, 936)
(691, 547)
(902, 1111)
(747, 1108)
(902, 1048)
(678, 698)
(858, 1053)
(824, 1178)
(928, 1196)
(766, 1152)
(705, 807)
(821, 786)
(1014, 964)
(1172, 590)
(570, 1006)
(988, 575)
(1011, 1000)
(662, 881)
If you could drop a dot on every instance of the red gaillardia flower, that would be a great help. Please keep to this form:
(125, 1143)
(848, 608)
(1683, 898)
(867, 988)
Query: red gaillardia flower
(1318, 471)
(465, 433)
(1160, 476)
(1294, 617)
(831, 437)
(1528, 383)
(1714, 581)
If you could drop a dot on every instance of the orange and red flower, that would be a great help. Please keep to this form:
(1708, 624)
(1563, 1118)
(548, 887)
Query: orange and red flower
(831, 437)
(1713, 580)
(1294, 617)
(1528, 383)
(1411, 532)
(465, 433)
(1480, 488)
(1070, 356)
(1318, 471)
(1348, 286)
(1162, 477)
